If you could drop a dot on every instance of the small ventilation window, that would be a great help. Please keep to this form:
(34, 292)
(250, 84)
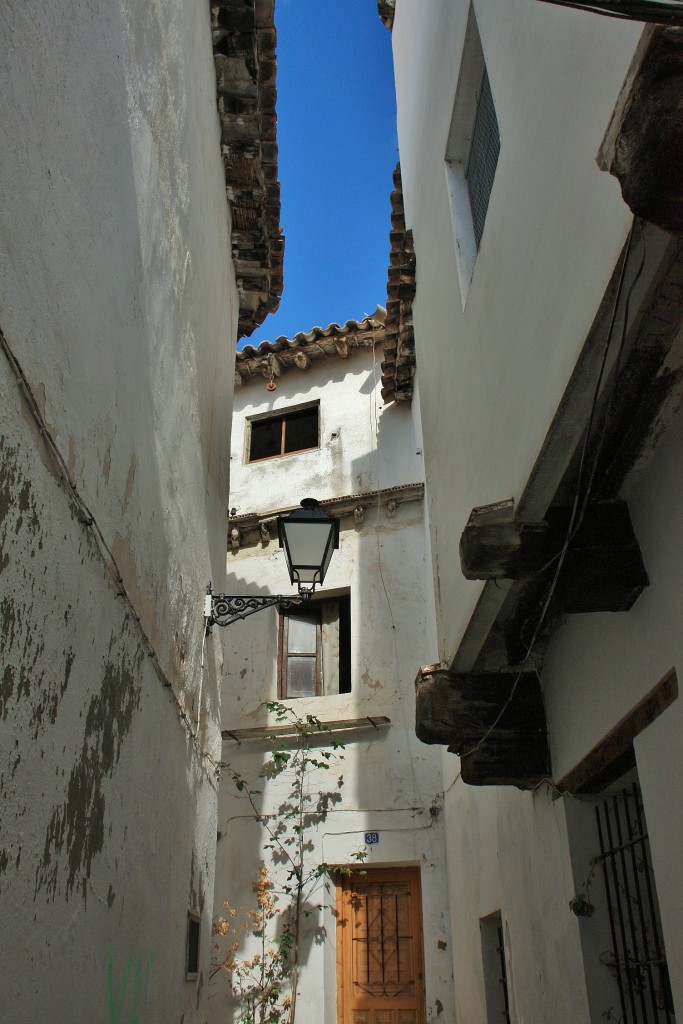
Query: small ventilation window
(273, 436)
(482, 157)
(495, 971)
(472, 152)
(192, 954)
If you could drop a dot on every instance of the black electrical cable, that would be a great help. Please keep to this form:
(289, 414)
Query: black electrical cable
(573, 524)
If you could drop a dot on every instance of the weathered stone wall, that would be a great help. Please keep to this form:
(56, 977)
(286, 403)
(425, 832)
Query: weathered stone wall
(118, 311)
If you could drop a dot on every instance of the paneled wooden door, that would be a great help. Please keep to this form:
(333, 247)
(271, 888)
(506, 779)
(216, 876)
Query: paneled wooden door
(380, 958)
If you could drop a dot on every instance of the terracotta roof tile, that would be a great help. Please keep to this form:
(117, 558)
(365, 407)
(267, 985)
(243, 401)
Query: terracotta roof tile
(398, 367)
(244, 42)
(336, 341)
(386, 10)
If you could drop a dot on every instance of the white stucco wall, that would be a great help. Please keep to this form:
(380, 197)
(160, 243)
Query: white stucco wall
(493, 365)
(599, 667)
(118, 300)
(492, 374)
(507, 851)
(364, 445)
(390, 781)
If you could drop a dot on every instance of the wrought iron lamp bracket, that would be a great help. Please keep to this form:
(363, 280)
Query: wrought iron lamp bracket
(224, 609)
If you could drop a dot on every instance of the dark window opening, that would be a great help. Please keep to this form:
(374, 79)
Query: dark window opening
(344, 645)
(284, 434)
(315, 649)
(495, 973)
(482, 158)
(192, 957)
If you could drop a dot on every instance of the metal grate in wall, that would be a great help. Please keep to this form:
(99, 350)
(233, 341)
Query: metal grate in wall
(637, 959)
(482, 158)
(500, 949)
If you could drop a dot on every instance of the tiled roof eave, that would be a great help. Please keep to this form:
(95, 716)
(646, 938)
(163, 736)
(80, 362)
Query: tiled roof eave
(244, 41)
(271, 359)
(386, 10)
(398, 366)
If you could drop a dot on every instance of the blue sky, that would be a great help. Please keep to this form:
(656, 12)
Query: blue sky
(337, 152)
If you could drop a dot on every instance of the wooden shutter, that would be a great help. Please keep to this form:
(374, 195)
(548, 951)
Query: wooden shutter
(299, 654)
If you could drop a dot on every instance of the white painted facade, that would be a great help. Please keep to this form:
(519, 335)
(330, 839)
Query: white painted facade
(537, 279)
(391, 783)
(495, 355)
(119, 307)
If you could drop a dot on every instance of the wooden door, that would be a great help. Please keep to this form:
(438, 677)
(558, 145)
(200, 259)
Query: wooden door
(380, 970)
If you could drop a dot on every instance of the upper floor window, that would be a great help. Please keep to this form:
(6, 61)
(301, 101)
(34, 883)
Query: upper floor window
(315, 649)
(472, 154)
(482, 157)
(283, 433)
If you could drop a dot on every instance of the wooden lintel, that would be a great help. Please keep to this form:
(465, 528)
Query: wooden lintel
(604, 763)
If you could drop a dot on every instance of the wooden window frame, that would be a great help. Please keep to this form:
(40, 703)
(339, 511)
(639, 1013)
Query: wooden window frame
(343, 602)
(282, 415)
(283, 653)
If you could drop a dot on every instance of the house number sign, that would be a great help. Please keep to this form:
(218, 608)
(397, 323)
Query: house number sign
(371, 838)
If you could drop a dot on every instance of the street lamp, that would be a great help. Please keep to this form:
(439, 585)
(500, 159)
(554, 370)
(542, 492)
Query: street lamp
(308, 536)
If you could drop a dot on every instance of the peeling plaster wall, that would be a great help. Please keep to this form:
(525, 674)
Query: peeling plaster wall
(118, 303)
(391, 782)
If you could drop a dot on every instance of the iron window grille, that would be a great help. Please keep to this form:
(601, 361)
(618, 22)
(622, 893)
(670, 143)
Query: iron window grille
(637, 959)
(500, 949)
(495, 973)
(482, 157)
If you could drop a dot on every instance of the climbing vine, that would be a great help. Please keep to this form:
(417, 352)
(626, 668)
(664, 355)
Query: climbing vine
(265, 984)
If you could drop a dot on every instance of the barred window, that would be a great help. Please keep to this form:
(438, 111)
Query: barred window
(471, 156)
(482, 158)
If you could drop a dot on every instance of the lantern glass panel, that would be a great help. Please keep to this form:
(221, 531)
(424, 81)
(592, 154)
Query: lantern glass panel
(306, 544)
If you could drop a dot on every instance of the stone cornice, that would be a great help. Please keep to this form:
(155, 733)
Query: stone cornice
(254, 528)
(244, 41)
